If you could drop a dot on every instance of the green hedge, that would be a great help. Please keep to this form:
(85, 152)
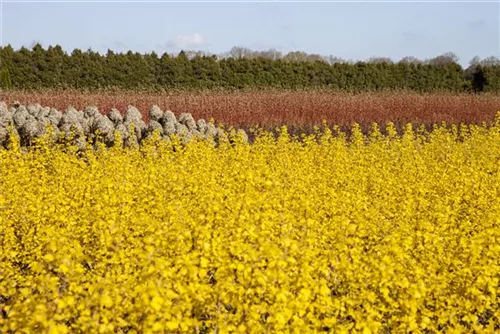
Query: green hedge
(53, 68)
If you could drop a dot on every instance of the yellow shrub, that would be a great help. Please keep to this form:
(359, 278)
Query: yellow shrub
(381, 234)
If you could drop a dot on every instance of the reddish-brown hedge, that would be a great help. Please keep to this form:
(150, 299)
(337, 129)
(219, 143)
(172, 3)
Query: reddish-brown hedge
(294, 108)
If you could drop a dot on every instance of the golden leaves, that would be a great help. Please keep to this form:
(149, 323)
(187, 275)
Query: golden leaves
(389, 233)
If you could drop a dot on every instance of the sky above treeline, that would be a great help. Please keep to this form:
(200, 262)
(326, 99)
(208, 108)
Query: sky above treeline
(349, 30)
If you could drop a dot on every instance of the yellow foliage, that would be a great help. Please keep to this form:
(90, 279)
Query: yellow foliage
(379, 234)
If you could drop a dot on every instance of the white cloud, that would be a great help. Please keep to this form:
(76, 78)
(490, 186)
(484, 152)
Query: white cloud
(187, 41)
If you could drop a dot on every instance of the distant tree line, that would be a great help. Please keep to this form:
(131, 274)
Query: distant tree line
(240, 68)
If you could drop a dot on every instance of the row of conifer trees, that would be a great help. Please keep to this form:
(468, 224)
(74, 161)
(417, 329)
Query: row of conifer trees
(39, 68)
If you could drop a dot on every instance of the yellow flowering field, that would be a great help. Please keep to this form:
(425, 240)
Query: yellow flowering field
(375, 234)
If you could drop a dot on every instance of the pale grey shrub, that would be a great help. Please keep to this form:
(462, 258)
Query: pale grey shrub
(43, 123)
(123, 130)
(103, 124)
(168, 116)
(105, 127)
(90, 112)
(71, 120)
(20, 115)
(87, 123)
(195, 134)
(3, 135)
(85, 126)
(181, 129)
(3, 108)
(201, 125)
(169, 128)
(54, 116)
(154, 125)
(190, 135)
(80, 116)
(115, 116)
(8, 119)
(139, 127)
(5, 115)
(33, 109)
(43, 112)
(187, 120)
(142, 126)
(155, 113)
(132, 115)
(70, 116)
(31, 129)
(68, 128)
(211, 130)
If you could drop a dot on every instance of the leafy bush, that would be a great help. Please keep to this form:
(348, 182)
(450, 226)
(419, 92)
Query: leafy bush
(378, 234)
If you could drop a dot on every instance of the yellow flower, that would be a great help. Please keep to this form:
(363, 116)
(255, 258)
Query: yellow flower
(381, 233)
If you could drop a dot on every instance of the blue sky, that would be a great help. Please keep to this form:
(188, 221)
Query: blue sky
(354, 31)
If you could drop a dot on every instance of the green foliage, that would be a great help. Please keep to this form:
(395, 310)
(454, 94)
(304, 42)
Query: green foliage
(53, 68)
(5, 80)
(492, 77)
(479, 80)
